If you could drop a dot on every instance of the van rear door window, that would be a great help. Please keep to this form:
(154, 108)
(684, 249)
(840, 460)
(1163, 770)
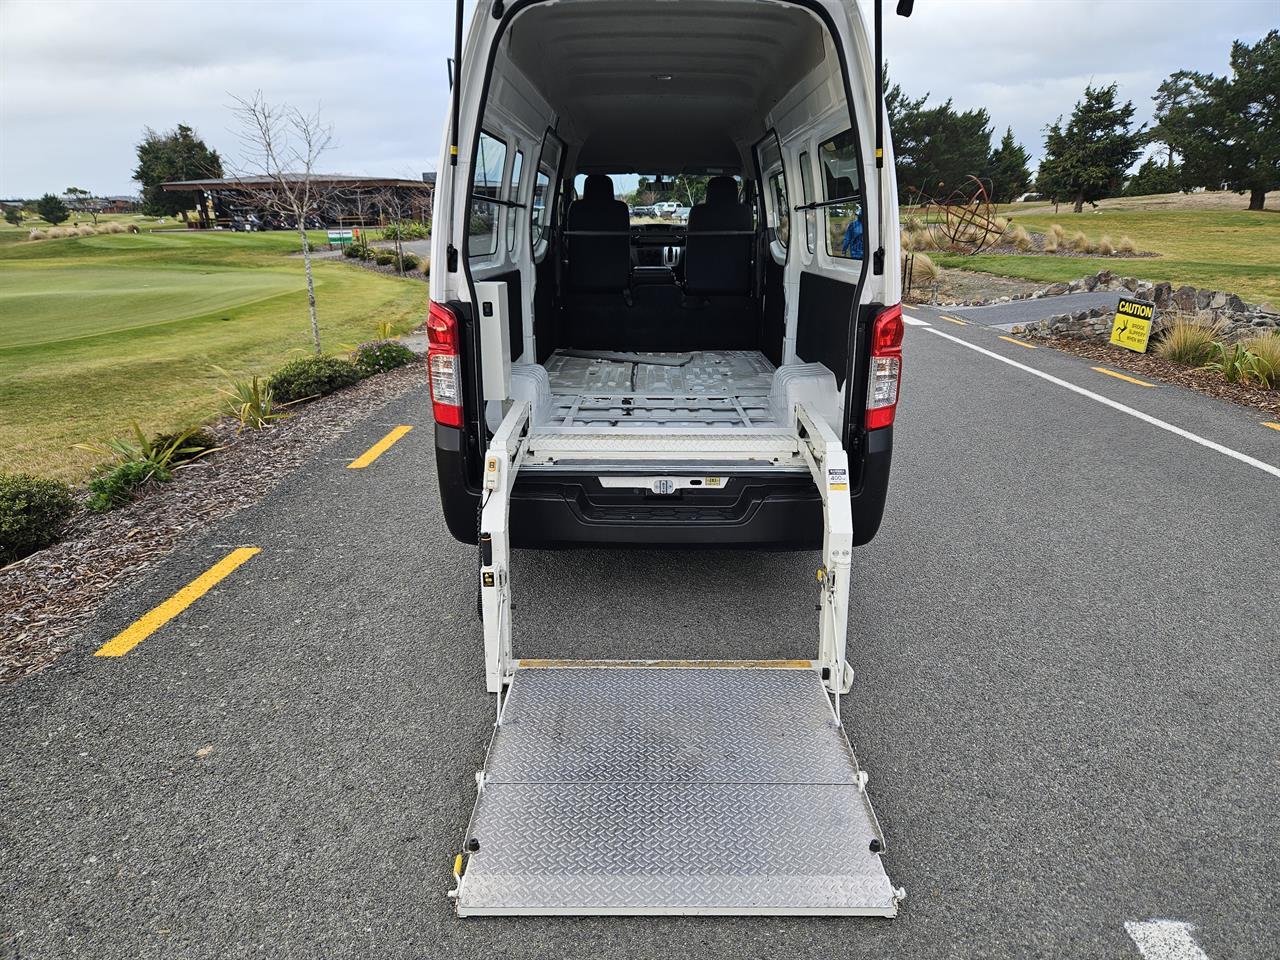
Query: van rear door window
(542, 212)
(513, 194)
(845, 227)
(482, 229)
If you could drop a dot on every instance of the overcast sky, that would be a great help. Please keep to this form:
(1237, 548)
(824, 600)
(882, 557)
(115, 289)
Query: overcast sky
(80, 80)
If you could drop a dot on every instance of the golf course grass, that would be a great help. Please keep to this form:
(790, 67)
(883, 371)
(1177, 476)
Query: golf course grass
(1233, 250)
(98, 331)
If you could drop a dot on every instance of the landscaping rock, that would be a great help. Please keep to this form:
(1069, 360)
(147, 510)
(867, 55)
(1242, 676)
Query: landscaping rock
(1055, 290)
(1091, 283)
(1185, 298)
(1160, 295)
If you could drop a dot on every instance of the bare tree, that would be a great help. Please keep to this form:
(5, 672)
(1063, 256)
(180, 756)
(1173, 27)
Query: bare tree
(392, 206)
(281, 147)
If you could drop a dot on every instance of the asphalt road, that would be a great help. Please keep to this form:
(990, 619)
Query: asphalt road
(1027, 311)
(1065, 636)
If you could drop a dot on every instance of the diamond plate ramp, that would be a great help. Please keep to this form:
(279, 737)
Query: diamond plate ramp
(627, 790)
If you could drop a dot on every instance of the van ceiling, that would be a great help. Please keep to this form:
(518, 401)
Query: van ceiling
(600, 63)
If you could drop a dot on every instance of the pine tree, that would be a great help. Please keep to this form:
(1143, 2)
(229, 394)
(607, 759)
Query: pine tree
(1007, 169)
(177, 155)
(1087, 160)
(1228, 128)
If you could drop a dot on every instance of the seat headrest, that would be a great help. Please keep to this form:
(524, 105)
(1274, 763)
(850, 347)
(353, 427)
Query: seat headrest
(722, 191)
(597, 188)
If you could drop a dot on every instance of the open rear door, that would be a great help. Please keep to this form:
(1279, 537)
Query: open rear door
(625, 788)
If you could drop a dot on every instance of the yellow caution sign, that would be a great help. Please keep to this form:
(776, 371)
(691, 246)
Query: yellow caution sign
(1132, 326)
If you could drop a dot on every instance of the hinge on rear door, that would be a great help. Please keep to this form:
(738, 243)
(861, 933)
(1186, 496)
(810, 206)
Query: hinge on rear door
(451, 258)
(877, 262)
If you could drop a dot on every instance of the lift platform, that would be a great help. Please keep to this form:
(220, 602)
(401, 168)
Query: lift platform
(671, 787)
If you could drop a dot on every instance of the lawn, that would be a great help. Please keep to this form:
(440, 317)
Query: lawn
(97, 331)
(1233, 250)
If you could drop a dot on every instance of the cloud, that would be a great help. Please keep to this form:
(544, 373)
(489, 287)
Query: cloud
(80, 80)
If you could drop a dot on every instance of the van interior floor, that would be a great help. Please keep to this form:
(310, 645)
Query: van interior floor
(700, 388)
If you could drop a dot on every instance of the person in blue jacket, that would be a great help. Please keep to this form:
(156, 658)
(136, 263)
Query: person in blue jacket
(852, 246)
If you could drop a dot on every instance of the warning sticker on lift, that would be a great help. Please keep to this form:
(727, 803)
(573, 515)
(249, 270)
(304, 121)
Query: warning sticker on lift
(837, 478)
(712, 481)
(1132, 325)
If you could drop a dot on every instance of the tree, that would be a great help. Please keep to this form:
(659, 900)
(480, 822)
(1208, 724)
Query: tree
(282, 147)
(1087, 160)
(1007, 169)
(179, 154)
(1154, 177)
(1170, 97)
(80, 198)
(13, 215)
(52, 209)
(935, 148)
(1228, 128)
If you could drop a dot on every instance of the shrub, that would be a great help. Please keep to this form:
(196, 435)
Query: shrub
(913, 223)
(1050, 242)
(309, 377)
(250, 401)
(1106, 247)
(1126, 245)
(37, 235)
(33, 512)
(925, 270)
(1238, 364)
(1058, 233)
(405, 230)
(384, 258)
(1080, 242)
(112, 487)
(112, 228)
(426, 265)
(382, 355)
(909, 240)
(188, 446)
(1188, 341)
(409, 262)
(1020, 238)
(351, 250)
(1267, 350)
(139, 461)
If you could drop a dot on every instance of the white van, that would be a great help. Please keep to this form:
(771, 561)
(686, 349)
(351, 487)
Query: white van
(729, 381)
(783, 285)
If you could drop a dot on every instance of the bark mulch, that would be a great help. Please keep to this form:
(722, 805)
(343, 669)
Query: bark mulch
(48, 596)
(1141, 364)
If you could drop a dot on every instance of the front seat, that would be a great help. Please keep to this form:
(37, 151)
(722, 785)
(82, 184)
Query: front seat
(599, 234)
(717, 257)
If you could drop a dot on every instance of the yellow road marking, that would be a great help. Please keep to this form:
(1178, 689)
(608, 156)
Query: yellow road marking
(378, 449)
(963, 323)
(1018, 342)
(1273, 426)
(1121, 376)
(157, 617)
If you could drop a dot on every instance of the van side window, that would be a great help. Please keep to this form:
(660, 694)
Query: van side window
(482, 230)
(782, 232)
(513, 194)
(845, 226)
(542, 212)
(810, 217)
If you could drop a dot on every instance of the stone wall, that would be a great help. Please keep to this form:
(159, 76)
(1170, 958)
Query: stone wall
(1237, 318)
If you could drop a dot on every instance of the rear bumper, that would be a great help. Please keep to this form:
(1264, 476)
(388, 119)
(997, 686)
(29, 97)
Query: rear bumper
(754, 510)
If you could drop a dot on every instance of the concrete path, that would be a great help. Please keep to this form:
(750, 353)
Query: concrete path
(1066, 637)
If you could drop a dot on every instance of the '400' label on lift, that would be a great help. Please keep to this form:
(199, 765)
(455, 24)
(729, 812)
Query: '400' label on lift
(837, 478)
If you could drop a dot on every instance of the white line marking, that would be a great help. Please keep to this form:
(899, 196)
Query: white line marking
(913, 321)
(1107, 401)
(1165, 940)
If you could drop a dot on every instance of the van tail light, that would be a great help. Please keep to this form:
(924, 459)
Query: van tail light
(442, 366)
(886, 367)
